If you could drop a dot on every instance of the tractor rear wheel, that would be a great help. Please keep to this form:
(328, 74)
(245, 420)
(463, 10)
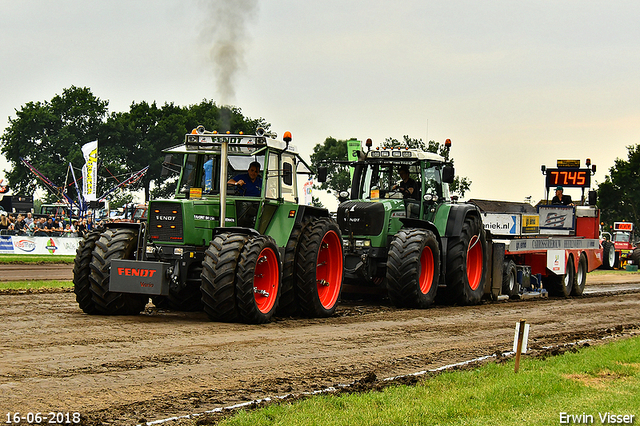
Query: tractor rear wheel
(218, 277)
(258, 280)
(288, 304)
(581, 277)
(413, 268)
(466, 270)
(116, 243)
(319, 274)
(82, 270)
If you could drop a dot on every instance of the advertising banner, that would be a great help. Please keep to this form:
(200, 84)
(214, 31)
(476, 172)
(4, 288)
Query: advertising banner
(90, 170)
(38, 245)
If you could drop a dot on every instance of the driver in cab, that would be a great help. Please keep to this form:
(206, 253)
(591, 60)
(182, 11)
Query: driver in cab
(407, 186)
(249, 183)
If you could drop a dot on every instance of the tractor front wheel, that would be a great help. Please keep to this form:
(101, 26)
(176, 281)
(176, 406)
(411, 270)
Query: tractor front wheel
(258, 280)
(116, 243)
(413, 268)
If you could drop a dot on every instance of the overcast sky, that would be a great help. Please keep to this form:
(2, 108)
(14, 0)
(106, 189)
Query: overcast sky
(514, 85)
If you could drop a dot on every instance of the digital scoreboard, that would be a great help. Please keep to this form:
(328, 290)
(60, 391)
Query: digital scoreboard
(569, 177)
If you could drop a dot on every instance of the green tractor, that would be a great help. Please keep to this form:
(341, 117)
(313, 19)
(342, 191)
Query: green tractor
(240, 256)
(413, 244)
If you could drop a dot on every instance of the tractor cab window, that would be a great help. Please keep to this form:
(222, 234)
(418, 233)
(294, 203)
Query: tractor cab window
(621, 237)
(382, 180)
(433, 182)
(189, 176)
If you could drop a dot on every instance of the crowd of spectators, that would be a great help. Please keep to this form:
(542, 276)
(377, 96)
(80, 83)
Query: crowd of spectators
(43, 226)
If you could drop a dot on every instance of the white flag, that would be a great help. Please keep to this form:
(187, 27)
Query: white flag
(90, 171)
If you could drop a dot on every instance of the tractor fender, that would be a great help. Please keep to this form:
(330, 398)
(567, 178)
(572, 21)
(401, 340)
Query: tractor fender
(422, 224)
(457, 215)
(305, 211)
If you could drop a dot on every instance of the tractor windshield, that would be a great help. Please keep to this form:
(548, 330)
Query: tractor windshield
(384, 180)
(203, 171)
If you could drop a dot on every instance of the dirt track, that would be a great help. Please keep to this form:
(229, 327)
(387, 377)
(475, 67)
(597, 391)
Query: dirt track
(123, 370)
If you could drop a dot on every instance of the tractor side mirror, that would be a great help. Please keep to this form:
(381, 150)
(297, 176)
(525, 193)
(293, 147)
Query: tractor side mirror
(322, 174)
(168, 160)
(448, 173)
(593, 198)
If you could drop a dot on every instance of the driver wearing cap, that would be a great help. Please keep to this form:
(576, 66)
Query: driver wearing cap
(560, 198)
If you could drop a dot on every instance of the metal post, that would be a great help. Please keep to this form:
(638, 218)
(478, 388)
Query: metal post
(223, 181)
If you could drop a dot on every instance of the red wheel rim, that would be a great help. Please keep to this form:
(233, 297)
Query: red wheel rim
(329, 269)
(265, 280)
(474, 262)
(426, 270)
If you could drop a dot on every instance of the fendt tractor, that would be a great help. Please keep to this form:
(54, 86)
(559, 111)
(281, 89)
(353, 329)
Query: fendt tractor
(238, 257)
(427, 244)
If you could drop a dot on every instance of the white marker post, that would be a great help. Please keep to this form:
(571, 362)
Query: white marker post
(520, 341)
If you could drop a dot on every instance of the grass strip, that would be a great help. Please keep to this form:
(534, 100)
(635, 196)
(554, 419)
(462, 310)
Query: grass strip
(593, 382)
(34, 258)
(35, 284)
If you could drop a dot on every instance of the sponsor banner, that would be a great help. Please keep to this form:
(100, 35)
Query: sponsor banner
(40, 245)
(90, 171)
(6, 245)
(308, 192)
(501, 223)
(556, 217)
(551, 244)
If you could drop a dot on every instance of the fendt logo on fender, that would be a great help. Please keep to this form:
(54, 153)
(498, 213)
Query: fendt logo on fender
(137, 272)
(165, 218)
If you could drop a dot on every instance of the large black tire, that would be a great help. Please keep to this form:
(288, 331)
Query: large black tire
(510, 285)
(466, 263)
(219, 276)
(413, 268)
(634, 257)
(113, 244)
(82, 270)
(187, 299)
(561, 285)
(608, 255)
(320, 268)
(581, 277)
(258, 280)
(288, 304)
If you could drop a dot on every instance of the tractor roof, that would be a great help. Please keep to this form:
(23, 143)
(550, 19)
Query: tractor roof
(403, 154)
(239, 144)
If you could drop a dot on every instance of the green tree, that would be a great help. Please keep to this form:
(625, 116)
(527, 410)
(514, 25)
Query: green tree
(50, 135)
(619, 194)
(332, 149)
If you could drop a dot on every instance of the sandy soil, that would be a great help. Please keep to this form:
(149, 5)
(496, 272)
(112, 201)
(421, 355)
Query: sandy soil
(125, 370)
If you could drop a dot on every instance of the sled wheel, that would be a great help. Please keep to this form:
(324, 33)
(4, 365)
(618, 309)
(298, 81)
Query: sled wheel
(608, 255)
(258, 280)
(219, 276)
(82, 270)
(561, 285)
(581, 277)
(510, 279)
(117, 243)
(319, 274)
(413, 268)
(466, 271)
